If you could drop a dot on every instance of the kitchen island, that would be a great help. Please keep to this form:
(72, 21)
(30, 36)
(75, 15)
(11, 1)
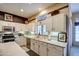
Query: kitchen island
(11, 49)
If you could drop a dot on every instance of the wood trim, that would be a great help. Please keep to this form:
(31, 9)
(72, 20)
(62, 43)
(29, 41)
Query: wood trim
(13, 15)
(59, 9)
(15, 18)
(31, 20)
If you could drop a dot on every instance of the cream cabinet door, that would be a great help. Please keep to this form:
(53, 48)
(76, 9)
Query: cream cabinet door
(59, 23)
(55, 50)
(36, 47)
(42, 49)
(21, 41)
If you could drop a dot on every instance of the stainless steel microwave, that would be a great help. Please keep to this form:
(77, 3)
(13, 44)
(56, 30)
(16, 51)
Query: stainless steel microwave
(8, 29)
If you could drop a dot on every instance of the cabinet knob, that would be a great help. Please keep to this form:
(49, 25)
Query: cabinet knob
(47, 49)
(33, 44)
(39, 46)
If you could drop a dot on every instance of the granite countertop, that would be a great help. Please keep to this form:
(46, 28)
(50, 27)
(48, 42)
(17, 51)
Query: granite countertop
(11, 49)
(30, 36)
(54, 42)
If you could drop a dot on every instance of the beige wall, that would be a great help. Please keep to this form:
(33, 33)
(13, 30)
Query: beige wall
(18, 26)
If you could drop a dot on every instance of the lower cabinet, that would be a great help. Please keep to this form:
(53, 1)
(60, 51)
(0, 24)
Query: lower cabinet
(46, 49)
(42, 49)
(55, 50)
(21, 40)
(34, 45)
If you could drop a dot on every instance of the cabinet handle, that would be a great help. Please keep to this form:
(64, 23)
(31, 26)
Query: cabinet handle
(47, 49)
(33, 44)
(39, 46)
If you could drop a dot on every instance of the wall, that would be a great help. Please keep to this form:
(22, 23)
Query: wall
(30, 25)
(69, 40)
(18, 26)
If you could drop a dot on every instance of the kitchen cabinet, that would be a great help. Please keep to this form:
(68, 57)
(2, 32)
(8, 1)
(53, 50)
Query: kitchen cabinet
(55, 50)
(21, 40)
(55, 23)
(59, 23)
(34, 45)
(42, 49)
(47, 49)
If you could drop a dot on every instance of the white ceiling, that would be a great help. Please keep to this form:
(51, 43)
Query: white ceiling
(74, 7)
(29, 9)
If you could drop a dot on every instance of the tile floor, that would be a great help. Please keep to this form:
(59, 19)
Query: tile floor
(26, 49)
(30, 52)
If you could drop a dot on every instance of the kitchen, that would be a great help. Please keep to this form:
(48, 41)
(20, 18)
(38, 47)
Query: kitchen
(42, 31)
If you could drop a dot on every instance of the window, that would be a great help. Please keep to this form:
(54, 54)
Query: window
(40, 29)
(77, 30)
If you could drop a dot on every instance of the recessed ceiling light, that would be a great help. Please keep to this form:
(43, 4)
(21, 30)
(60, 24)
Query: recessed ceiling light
(43, 12)
(40, 9)
(22, 10)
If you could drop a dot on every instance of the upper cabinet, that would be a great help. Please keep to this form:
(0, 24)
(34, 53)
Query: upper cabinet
(55, 23)
(59, 23)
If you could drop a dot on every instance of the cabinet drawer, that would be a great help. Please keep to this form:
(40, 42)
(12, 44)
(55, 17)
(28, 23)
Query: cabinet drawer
(55, 50)
(43, 43)
(55, 47)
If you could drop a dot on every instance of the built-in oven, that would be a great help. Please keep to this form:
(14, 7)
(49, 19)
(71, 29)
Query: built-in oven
(6, 37)
(8, 33)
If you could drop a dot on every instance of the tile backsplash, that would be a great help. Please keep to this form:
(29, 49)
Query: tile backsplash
(53, 33)
(53, 36)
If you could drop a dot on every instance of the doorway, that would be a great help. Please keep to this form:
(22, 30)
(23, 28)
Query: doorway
(75, 29)
(76, 32)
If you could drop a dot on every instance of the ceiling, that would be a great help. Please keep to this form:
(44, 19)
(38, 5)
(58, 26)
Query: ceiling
(74, 7)
(28, 9)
